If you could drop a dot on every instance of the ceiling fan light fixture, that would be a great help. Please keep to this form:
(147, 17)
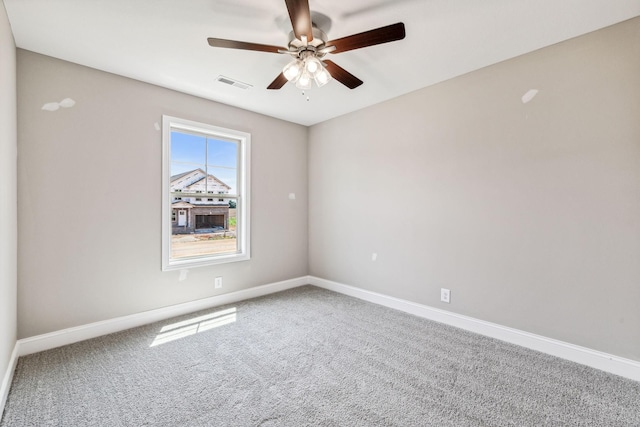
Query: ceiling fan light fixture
(308, 44)
(304, 82)
(312, 65)
(322, 77)
(293, 70)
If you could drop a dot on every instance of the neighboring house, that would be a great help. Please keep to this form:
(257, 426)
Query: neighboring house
(193, 212)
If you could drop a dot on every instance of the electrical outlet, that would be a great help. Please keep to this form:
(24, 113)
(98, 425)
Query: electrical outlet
(445, 295)
(218, 282)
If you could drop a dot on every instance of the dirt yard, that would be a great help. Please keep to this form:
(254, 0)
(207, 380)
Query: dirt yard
(187, 245)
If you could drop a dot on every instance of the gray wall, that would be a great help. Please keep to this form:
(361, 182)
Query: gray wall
(529, 213)
(89, 179)
(8, 188)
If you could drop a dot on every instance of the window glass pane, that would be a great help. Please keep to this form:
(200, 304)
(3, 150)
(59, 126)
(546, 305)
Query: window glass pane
(222, 180)
(204, 228)
(206, 180)
(181, 168)
(187, 178)
(188, 149)
(222, 153)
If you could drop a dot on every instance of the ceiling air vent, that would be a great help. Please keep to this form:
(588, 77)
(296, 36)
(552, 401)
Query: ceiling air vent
(231, 82)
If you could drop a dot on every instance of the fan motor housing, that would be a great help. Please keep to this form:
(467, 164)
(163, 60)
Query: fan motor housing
(319, 40)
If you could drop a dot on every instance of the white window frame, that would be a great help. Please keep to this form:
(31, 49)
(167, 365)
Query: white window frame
(242, 198)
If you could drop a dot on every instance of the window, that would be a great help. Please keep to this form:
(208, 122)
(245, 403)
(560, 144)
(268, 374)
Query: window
(204, 159)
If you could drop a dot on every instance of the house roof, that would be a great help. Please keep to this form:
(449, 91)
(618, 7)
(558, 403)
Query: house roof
(211, 176)
(181, 175)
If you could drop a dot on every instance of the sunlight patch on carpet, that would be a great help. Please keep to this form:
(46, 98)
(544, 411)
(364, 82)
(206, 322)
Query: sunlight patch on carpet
(193, 326)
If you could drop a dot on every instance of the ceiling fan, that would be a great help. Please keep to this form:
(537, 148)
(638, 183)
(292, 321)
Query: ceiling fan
(308, 45)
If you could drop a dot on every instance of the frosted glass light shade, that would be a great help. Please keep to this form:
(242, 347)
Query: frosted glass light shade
(312, 65)
(293, 70)
(304, 82)
(322, 77)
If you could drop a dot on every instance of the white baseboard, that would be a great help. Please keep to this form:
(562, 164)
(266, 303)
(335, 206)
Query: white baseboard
(92, 330)
(596, 359)
(7, 378)
(607, 362)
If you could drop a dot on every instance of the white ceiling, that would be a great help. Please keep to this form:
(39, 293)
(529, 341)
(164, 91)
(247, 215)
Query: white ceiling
(164, 42)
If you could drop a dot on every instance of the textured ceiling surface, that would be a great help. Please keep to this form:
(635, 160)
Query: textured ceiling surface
(164, 42)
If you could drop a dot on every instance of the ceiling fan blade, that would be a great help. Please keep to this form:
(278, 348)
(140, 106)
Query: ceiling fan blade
(300, 16)
(342, 75)
(380, 35)
(278, 82)
(233, 44)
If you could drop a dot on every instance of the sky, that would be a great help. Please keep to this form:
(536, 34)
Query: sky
(216, 157)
